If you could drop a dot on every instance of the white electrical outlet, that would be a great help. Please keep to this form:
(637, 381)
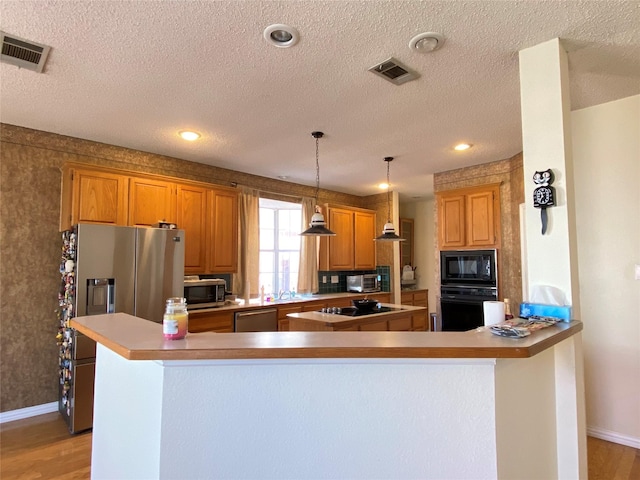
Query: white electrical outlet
(324, 279)
(334, 279)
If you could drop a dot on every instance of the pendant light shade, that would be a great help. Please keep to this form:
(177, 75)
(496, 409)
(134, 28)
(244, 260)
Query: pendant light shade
(389, 231)
(317, 227)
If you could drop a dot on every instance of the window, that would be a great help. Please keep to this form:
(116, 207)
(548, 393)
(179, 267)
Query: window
(280, 224)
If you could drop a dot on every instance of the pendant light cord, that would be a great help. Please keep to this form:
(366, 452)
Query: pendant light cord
(388, 160)
(317, 171)
(317, 136)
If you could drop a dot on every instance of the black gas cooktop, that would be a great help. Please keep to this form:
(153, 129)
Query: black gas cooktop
(354, 312)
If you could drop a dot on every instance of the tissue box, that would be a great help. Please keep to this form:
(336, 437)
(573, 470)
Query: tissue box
(563, 312)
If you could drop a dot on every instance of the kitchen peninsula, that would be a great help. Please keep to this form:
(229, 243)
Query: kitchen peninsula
(328, 404)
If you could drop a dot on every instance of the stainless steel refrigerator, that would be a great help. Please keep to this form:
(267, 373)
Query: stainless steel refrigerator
(109, 269)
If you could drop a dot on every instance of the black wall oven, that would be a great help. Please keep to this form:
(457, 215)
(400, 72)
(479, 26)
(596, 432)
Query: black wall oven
(468, 278)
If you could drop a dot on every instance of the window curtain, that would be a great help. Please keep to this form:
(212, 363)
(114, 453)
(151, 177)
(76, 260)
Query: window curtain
(308, 269)
(249, 239)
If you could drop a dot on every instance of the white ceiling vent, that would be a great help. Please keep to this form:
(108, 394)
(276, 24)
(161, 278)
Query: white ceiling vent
(24, 53)
(393, 71)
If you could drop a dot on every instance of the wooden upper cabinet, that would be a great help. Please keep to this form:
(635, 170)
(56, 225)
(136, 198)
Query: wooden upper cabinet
(92, 196)
(364, 246)
(469, 217)
(353, 247)
(208, 214)
(222, 216)
(151, 201)
(452, 221)
(341, 247)
(480, 219)
(192, 218)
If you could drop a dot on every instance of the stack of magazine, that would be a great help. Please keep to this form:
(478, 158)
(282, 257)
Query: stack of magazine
(518, 329)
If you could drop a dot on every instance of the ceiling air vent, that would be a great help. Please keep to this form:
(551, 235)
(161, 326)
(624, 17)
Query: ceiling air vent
(24, 53)
(393, 71)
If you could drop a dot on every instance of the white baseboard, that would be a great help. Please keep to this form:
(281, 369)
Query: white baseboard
(21, 413)
(614, 437)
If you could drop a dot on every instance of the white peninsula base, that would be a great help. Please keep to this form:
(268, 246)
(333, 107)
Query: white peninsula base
(338, 418)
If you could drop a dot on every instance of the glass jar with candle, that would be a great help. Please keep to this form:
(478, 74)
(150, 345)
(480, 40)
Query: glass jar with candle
(175, 320)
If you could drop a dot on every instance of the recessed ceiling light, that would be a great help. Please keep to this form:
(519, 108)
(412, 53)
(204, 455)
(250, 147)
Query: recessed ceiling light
(383, 186)
(462, 146)
(190, 136)
(282, 36)
(283, 177)
(426, 42)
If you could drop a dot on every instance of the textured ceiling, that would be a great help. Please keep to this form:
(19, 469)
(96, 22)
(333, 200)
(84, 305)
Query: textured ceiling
(133, 73)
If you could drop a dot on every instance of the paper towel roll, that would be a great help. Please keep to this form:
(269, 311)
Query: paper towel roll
(493, 312)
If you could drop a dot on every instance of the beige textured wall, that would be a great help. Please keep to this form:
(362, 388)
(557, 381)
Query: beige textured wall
(509, 173)
(30, 243)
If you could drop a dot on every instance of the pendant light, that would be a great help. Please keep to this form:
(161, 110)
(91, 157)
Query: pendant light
(317, 227)
(389, 231)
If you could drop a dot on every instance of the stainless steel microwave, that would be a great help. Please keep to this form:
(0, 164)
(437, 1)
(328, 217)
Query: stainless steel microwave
(205, 293)
(366, 283)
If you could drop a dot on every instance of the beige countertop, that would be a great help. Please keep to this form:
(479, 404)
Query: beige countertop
(137, 339)
(256, 303)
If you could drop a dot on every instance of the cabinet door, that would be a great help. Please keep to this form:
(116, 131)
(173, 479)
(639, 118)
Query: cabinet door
(451, 220)
(364, 249)
(375, 327)
(406, 298)
(95, 197)
(480, 219)
(223, 232)
(406, 247)
(283, 320)
(314, 306)
(341, 246)
(402, 324)
(151, 201)
(191, 217)
(221, 322)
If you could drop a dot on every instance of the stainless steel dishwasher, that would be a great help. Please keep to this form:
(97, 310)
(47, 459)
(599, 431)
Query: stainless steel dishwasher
(265, 320)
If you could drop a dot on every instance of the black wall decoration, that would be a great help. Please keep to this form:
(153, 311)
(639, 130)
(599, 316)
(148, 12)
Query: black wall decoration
(544, 195)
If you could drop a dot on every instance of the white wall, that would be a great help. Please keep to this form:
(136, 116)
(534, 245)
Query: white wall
(424, 244)
(606, 156)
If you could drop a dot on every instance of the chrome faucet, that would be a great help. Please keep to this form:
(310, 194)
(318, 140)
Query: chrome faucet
(282, 293)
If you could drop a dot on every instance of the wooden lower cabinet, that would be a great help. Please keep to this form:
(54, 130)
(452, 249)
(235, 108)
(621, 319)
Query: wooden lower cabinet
(283, 321)
(401, 324)
(221, 321)
(314, 306)
(417, 298)
(382, 297)
(374, 327)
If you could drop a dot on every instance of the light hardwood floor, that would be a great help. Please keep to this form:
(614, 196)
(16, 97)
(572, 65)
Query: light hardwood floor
(42, 448)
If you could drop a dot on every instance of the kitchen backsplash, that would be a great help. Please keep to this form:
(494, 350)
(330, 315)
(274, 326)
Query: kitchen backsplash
(341, 286)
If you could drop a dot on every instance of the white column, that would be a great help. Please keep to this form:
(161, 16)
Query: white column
(552, 258)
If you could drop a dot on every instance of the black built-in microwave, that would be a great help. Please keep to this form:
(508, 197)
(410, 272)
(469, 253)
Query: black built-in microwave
(468, 267)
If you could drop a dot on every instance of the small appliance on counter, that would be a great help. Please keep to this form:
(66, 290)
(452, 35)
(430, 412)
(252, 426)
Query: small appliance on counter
(365, 283)
(408, 279)
(204, 293)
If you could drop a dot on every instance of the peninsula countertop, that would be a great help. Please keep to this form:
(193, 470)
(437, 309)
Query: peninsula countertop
(138, 339)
